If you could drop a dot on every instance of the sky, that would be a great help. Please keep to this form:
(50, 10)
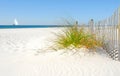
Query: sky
(52, 12)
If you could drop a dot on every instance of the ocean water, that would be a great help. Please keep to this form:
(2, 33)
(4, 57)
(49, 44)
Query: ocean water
(28, 26)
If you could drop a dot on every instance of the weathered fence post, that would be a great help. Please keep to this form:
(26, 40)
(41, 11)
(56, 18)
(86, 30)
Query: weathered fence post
(76, 24)
(91, 26)
(119, 41)
(119, 31)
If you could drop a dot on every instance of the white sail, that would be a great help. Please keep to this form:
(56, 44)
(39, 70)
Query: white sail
(15, 22)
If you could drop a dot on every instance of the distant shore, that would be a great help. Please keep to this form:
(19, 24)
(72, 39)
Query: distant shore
(28, 26)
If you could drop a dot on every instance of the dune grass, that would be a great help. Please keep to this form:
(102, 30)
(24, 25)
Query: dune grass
(76, 37)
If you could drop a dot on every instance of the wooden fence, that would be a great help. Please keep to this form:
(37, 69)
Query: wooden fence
(109, 30)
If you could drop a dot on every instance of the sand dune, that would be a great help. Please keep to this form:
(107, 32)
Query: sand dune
(19, 56)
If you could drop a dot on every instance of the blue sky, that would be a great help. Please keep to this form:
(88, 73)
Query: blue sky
(55, 11)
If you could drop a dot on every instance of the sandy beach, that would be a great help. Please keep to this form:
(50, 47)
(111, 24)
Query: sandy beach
(22, 54)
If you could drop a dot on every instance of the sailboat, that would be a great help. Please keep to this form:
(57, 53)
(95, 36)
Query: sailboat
(15, 22)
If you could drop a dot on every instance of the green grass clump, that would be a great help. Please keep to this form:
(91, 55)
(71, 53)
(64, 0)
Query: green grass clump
(76, 37)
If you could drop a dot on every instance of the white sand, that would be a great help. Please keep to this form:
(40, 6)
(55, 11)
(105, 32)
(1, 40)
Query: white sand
(19, 57)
